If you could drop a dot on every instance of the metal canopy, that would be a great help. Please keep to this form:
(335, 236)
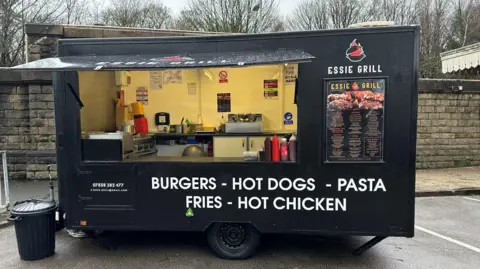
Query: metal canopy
(181, 61)
(461, 59)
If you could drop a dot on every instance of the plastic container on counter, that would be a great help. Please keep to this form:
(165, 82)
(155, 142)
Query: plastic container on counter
(250, 155)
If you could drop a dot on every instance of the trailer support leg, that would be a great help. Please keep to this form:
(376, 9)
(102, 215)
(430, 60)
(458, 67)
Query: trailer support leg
(368, 245)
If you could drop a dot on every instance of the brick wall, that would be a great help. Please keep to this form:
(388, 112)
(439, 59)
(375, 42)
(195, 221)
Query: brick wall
(448, 130)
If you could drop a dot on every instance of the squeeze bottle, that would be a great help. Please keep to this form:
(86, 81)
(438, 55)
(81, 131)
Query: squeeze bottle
(275, 149)
(292, 148)
(283, 149)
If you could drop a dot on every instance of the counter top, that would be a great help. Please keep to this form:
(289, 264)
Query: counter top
(160, 135)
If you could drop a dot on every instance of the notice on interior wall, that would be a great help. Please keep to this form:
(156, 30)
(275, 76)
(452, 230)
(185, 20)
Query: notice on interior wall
(291, 73)
(142, 95)
(224, 102)
(223, 77)
(156, 80)
(192, 88)
(288, 118)
(270, 89)
(173, 77)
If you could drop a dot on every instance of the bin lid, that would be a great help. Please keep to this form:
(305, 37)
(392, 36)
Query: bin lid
(32, 206)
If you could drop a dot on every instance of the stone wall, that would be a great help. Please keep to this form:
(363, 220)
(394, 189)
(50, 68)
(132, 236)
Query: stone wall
(27, 127)
(448, 125)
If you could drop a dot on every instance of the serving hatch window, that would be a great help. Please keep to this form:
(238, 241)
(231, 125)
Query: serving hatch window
(205, 107)
(190, 115)
(355, 119)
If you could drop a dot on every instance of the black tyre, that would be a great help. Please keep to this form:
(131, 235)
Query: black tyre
(233, 241)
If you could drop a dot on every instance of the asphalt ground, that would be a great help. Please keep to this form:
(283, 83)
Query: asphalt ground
(446, 236)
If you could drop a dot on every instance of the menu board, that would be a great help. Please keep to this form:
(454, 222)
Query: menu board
(354, 111)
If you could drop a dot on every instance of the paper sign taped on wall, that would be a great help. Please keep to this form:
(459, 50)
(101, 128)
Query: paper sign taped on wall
(156, 80)
(173, 77)
(192, 88)
(291, 73)
(142, 95)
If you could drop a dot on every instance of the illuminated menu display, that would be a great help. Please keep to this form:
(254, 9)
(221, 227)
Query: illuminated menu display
(354, 110)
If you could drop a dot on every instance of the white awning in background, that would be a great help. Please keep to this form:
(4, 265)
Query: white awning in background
(460, 59)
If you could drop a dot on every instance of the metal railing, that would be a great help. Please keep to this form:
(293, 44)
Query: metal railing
(4, 190)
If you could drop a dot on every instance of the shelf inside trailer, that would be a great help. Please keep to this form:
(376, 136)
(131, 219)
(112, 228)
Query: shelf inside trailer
(154, 158)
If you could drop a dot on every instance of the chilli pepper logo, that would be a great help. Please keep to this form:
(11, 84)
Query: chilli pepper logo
(355, 52)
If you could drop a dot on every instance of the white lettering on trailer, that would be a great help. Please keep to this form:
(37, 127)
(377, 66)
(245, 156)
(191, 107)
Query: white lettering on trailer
(252, 202)
(184, 183)
(361, 185)
(349, 69)
(252, 184)
(204, 202)
(248, 183)
(286, 184)
(310, 204)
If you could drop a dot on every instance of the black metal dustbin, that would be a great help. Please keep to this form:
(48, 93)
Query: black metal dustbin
(35, 228)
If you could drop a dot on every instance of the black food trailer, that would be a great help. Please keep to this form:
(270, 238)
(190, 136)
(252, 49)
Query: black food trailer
(299, 132)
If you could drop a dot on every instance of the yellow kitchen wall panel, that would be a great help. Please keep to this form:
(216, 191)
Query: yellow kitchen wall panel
(98, 92)
(289, 106)
(245, 85)
(246, 89)
(171, 98)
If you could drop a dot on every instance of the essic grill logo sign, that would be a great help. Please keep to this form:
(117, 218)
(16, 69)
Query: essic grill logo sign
(354, 54)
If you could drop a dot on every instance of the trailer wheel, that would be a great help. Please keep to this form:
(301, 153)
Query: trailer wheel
(233, 241)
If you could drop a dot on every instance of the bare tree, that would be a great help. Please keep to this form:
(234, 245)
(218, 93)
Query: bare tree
(76, 11)
(324, 14)
(465, 28)
(137, 13)
(346, 12)
(310, 15)
(234, 16)
(402, 12)
(433, 17)
(13, 15)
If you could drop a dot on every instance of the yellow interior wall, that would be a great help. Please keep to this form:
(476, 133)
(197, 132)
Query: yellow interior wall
(244, 84)
(171, 98)
(97, 91)
(289, 106)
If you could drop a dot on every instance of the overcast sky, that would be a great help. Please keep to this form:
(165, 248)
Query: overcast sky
(286, 6)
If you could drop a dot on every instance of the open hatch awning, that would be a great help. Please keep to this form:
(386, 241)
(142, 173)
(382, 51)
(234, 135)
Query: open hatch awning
(181, 61)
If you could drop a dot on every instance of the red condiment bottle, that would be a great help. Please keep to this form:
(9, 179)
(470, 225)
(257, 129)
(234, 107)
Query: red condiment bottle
(141, 124)
(275, 149)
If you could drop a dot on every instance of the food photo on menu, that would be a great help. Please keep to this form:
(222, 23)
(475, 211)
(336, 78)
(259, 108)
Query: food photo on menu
(355, 119)
(355, 98)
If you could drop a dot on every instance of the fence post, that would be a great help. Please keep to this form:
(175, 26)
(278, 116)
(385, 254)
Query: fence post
(5, 189)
